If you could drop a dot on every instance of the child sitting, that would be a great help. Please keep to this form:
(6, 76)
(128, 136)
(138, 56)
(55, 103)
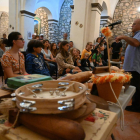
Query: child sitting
(35, 63)
(86, 63)
(98, 59)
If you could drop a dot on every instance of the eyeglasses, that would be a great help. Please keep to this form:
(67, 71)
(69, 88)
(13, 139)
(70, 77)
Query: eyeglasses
(91, 45)
(21, 39)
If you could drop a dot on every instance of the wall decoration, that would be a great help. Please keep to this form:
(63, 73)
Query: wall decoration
(81, 25)
(76, 23)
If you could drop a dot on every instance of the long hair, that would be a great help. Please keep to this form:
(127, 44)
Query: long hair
(12, 36)
(62, 51)
(54, 52)
(44, 43)
(73, 56)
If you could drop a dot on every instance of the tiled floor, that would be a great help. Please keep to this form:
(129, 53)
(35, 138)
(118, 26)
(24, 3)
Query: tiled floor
(131, 129)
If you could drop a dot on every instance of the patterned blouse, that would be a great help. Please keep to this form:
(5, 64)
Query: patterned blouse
(8, 61)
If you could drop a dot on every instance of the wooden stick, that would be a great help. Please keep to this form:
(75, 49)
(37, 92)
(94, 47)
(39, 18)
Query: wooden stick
(108, 54)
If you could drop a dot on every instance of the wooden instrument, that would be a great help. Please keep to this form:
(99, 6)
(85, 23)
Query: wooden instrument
(50, 97)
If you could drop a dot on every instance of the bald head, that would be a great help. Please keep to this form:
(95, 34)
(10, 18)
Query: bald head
(136, 26)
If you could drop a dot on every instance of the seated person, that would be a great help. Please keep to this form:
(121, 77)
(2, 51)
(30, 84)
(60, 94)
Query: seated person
(86, 63)
(88, 50)
(98, 60)
(64, 60)
(2, 47)
(13, 60)
(75, 57)
(48, 57)
(35, 63)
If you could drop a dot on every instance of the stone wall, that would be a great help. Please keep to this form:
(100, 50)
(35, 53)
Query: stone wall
(4, 23)
(53, 31)
(65, 18)
(41, 13)
(127, 12)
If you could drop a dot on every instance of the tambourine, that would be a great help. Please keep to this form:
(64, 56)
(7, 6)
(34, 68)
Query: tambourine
(50, 97)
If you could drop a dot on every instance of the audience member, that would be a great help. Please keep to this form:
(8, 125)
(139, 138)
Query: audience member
(75, 57)
(54, 50)
(13, 60)
(37, 37)
(2, 48)
(88, 50)
(97, 58)
(33, 36)
(65, 35)
(35, 63)
(116, 49)
(48, 56)
(71, 44)
(64, 60)
(41, 36)
(4, 36)
(58, 45)
(86, 63)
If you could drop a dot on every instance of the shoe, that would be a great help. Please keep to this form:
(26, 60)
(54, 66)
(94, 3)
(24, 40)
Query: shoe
(132, 109)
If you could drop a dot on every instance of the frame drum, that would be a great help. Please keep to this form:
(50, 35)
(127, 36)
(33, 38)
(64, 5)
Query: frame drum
(50, 97)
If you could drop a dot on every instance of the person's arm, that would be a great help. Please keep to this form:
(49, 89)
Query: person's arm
(9, 72)
(62, 64)
(132, 41)
(52, 58)
(29, 65)
(45, 58)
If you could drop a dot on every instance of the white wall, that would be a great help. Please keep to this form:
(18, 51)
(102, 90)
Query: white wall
(4, 5)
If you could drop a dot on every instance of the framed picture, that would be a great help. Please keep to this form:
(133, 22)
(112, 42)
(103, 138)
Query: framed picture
(29, 35)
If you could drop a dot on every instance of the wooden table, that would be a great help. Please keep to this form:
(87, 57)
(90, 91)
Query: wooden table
(98, 130)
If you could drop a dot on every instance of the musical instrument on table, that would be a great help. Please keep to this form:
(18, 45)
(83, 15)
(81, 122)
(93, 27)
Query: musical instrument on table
(50, 97)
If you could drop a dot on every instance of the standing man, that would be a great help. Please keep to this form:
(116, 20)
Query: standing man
(117, 48)
(132, 63)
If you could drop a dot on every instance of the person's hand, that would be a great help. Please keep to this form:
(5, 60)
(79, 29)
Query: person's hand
(77, 68)
(119, 38)
(53, 60)
(100, 64)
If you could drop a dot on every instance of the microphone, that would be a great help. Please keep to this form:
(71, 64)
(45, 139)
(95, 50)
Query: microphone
(115, 23)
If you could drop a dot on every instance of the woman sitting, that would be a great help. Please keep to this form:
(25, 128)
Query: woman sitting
(64, 60)
(35, 63)
(48, 56)
(54, 50)
(75, 57)
(13, 60)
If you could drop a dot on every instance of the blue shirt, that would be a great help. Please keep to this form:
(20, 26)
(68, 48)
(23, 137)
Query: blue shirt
(36, 65)
(132, 56)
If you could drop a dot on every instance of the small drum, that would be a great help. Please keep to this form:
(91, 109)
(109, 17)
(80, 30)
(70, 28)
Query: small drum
(50, 97)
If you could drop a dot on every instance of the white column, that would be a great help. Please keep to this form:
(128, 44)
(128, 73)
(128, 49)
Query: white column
(27, 26)
(95, 21)
(79, 23)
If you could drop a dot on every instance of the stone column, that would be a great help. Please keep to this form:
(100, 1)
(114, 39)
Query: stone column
(95, 21)
(27, 26)
(53, 30)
